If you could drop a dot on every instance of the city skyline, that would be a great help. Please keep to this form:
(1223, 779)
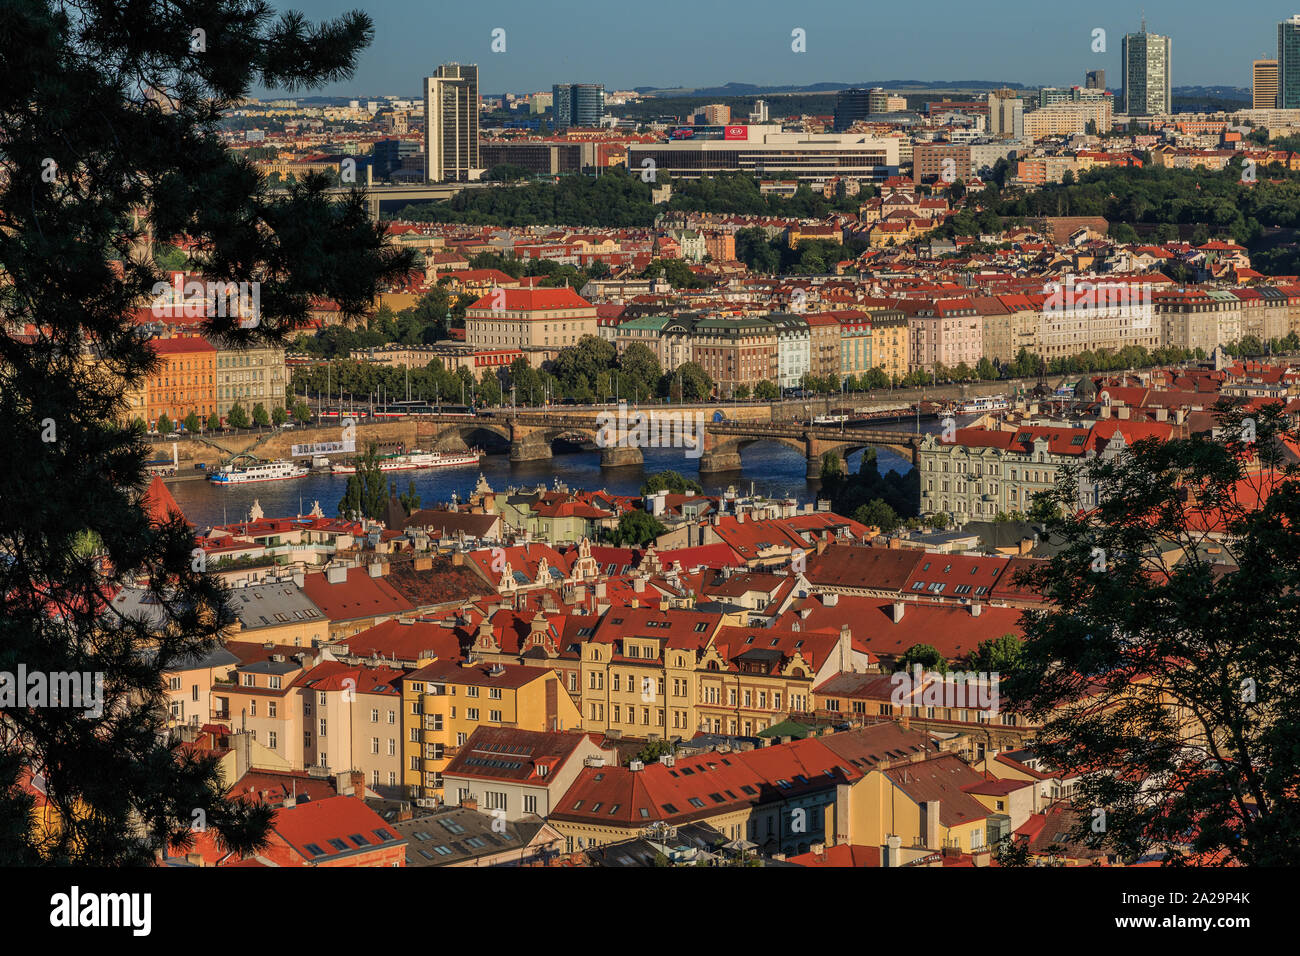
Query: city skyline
(681, 45)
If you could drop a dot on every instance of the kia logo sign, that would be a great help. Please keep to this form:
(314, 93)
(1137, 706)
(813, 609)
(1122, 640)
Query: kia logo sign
(736, 132)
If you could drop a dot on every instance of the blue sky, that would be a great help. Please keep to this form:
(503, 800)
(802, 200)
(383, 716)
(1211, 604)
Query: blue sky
(710, 42)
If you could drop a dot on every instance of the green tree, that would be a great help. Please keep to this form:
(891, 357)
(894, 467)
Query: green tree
(302, 412)
(409, 499)
(655, 749)
(237, 416)
(259, 415)
(672, 482)
(940, 521)
(999, 655)
(639, 372)
(924, 654)
(832, 466)
(690, 383)
(637, 528)
(279, 416)
(111, 778)
(366, 494)
(164, 424)
(214, 423)
(741, 392)
(877, 514)
(191, 422)
(1169, 685)
(766, 391)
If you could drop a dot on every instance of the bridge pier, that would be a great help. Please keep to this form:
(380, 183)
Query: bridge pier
(530, 451)
(620, 456)
(717, 462)
(815, 466)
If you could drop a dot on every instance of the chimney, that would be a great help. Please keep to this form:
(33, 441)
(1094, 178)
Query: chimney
(891, 852)
(1162, 414)
(930, 820)
(358, 784)
(336, 574)
(899, 609)
(636, 766)
(976, 609)
(423, 563)
(376, 569)
(1122, 413)
(638, 584)
(194, 859)
(468, 803)
(831, 600)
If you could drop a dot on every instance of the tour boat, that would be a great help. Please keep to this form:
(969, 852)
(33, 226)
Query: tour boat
(417, 460)
(259, 471)
(978, 406)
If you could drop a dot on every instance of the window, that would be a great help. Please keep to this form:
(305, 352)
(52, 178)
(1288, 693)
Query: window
(494, 693)
(174, 683)
(275, 682)
(392, 747)
(322, 726)
(392, 717)
(374, 715)
(271, 739)
(494, 716)
(374, 745)
(471, 713)
(270, 708)
(530, 804)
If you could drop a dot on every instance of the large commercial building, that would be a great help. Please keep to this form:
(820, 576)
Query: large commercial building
(529, 319)
(850, 106)
(1288, 63)
(1095, 80)
(1146, 60)
(451, 123)
(578, 104)
(1264, 84)
(764, 150)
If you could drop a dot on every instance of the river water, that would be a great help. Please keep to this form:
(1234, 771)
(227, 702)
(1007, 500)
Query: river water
(773, 469)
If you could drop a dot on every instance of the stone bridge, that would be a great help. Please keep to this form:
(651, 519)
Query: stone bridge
(723, 442)
(620, 436)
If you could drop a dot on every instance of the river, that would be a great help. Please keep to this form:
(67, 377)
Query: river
(773, 469)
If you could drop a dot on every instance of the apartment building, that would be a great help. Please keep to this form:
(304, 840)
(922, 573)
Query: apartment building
(943, 332)
(792, 349)
(351, 722)
(735, 352)
(984, 473)
(1010, 323)
(521, 773)
(824, 336)
(445, 702)
(891, 342)
(248, 377)
(185, 380)
(1194, 319)
(1091, 315)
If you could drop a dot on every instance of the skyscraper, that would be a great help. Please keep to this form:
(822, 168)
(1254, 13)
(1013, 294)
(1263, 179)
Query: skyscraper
(1146, 59)
(1288, 63)
(578, 104)
(451, 123)
(850, 106)
(1264, 84)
